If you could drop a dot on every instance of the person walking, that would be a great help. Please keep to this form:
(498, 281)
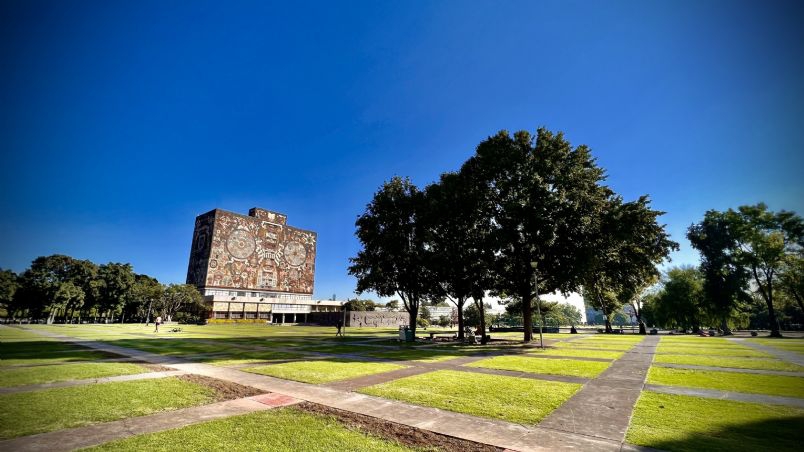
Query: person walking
(157, 322)
(340, 326)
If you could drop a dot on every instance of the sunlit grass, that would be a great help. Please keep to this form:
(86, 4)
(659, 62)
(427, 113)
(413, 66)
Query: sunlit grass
(323, 371)
(732, 362)
(284, 429)
(552, 366)
(580, 353)
(511, 399)
(779, 385)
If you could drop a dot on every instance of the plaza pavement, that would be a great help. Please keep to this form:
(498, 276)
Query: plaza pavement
(594, 419)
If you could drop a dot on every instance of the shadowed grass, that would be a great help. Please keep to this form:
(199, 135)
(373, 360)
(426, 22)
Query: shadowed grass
(683, 423)
(511, 399)
(734, 350)
(780, 385)
(49, 374)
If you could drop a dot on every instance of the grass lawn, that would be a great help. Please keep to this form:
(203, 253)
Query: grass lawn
(734, 350)
(779, 385)
(683, 423)
(576, 352)
(733, 362)
(172, 347)
(511, 399)
(594, 344)
(55, 409)
(284, 429)
(49, 374)
(340, 348)
(424, 355)
(552, 366)
(323, 371)
(44, 352)
(246, 357)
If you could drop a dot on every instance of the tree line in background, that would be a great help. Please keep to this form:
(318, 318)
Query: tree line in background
(524, 215)
(61, 288)
(751, 274)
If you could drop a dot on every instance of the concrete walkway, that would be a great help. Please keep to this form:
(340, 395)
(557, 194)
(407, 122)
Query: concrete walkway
(499, 433)
(92, 381)
(93, 435)
(603, 407)
(727, 395)
(784, 355)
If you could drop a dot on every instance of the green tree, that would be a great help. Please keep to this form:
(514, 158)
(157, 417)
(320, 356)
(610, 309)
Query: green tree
(791, 279)
(392, 305)
(725, 278)
(545, 197)
(460, 225)
(144, 295)
(680, 301)
(181, 298)
(475, 317)
(765, 240)
(360, 305)
(116, 281)
(627, 249)
(395, 259)
(8, 287)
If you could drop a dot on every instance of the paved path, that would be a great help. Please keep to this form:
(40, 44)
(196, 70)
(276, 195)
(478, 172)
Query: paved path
(784, 355)
(603, 407)
(727, 395)
(91, 381)
(499, 433)
(93, 435)
(787, 373)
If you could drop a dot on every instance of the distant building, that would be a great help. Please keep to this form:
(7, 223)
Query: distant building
(255, 267)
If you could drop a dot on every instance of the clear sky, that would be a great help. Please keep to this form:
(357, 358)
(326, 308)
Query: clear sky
(120, 121)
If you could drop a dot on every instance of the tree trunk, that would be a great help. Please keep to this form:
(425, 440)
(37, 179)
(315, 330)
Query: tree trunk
(724, 326)
(774, 326)
(414, 314)
(608, 323)
(459, 305)
(527, 315)
(482, 310)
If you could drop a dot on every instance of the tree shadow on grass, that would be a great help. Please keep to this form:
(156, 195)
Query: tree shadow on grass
(781, 434)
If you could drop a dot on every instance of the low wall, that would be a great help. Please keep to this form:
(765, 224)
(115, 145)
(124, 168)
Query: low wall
(360, 318)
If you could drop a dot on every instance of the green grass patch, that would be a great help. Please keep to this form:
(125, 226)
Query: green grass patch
(246, 357)
(49, 374)
(552, 366)
(683, 423)
(580, 353)
(733, 362)
(323, 371)
(56, 409)
(284, 429)
(511, 399)
(735, 350)
(593, 344)
(340, 349)
(422, 355)
(780, 385)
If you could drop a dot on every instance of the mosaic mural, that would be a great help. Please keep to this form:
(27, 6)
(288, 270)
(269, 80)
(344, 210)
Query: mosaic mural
(255, 252)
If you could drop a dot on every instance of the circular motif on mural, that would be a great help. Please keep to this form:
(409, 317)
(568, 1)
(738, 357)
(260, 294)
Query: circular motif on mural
(241, 244)
(295, 254)
(213, 263)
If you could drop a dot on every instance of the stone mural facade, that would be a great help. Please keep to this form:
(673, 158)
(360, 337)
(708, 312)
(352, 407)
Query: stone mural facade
(257, 252)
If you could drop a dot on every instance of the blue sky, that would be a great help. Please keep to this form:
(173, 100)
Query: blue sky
(122, 121)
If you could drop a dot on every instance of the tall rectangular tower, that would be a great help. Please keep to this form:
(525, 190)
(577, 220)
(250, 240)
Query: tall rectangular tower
(258, 252)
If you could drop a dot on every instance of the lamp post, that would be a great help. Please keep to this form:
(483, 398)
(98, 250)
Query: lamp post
(538, 301)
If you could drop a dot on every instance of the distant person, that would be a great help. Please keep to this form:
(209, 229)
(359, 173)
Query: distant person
(340, 326)
(157, 322)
